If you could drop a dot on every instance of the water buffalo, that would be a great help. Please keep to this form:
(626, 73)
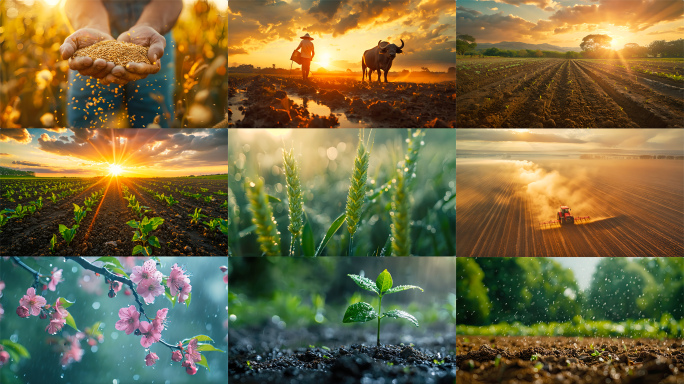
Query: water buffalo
(379, 58)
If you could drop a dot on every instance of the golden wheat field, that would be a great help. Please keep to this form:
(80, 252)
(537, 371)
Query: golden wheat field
(34, 76)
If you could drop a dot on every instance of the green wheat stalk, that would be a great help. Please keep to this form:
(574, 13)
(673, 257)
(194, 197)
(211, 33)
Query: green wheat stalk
(294, 199)
(401, 204)
(233, 215)
(262, 216)
(357, 190)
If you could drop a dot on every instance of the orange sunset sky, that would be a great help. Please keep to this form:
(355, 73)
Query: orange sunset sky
(565, 22)
(57, 152)
(265, 32)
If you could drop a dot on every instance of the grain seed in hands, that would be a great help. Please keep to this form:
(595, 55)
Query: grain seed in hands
(120, 53)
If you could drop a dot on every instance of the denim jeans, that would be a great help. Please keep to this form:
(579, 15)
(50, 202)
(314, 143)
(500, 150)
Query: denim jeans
(93, 105)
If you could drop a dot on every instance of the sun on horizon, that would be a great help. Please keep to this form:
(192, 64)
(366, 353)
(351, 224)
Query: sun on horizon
(115, 169)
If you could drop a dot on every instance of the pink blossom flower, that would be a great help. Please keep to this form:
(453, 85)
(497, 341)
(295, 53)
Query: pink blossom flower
(225, 279)
(149, 289)
(129, 320)
(74, 353)
(2, 311)
(149, 334)
(55, 326)
(176, 356)
(22, 311)
(151, 358)
(4, 357)
(147, 272)
(158, 322)
(55, 279)
(191, 353)
(177, 280)
(2, 286)
(191, 370)
(32, 301)
(90, 282)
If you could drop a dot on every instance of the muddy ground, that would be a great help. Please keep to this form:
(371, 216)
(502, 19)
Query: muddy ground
(568, 360)
(340, 355)
(269, 102)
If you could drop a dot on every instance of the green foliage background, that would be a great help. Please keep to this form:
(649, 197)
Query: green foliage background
(540, 290)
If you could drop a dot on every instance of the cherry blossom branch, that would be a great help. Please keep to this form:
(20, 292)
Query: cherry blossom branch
(111, 276)
(36, 274)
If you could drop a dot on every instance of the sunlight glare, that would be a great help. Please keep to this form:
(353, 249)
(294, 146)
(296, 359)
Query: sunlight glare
(51, 3)
(325, 60)
(115, 169)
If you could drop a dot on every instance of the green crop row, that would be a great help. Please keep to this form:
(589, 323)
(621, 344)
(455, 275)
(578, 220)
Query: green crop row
(667, 327)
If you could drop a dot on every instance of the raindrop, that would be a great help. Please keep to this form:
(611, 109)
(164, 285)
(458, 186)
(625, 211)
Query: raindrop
(96, 305)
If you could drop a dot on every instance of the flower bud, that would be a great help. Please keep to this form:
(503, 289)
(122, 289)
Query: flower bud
(22, 311)
(137, 332)
(43, 315)
(176, 356)
(4, 357)
(223, 268)
(111, 293)
(191, 370)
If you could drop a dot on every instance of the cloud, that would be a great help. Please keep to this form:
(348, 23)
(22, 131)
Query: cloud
(494, 9)
(635, 14)
(468, 10)
(504, 135)
(28, 163)
(5, 154)
(547, 5)
(422, 48)
(20, 135)
(168, 148)
(494, 27)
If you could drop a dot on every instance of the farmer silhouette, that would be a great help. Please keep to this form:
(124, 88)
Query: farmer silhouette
(101, 94)
(307, 53)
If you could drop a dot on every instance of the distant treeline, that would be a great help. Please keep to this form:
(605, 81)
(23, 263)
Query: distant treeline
(533, 290)
(13, 172)
(641, 157)
(494, 51)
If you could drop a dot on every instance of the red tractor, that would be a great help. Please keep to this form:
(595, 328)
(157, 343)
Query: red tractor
(564, 216)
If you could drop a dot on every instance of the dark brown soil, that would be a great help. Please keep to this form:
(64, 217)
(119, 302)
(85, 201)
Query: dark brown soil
(104, 230)
(558, 93)
(568, 360)
(395, 105)
(271, 355)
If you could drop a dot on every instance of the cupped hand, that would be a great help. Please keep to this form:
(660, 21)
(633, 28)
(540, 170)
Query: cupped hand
(86, 66)
(146, 37)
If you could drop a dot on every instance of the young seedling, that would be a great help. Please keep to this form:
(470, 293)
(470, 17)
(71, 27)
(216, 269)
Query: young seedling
(68, 233)
(142, 234)
(80, 213)
(53, 243)
(362, 312)
(195, 217)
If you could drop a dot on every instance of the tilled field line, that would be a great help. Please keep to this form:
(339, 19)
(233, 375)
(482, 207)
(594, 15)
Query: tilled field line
(642, 116)
(90, 227)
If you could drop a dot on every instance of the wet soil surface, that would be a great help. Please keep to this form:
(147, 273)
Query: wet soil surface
(261, 356)
(104, 230)
(262, 101)
(568, 360)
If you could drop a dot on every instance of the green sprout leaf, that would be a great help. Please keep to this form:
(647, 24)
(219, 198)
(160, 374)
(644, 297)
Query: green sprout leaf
(331, 231)
(70, 322)
(397, 314)
(207, 348)
(365, 283)
(400, 288)
(384, 281)
(64, 302)
(359, 313)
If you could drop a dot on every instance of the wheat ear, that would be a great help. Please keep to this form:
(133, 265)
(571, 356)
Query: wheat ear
(233, 215)
(294, 198)
(401, 204)
(357, 189)
(262, 216)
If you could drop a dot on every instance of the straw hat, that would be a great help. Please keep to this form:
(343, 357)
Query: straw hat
(306, 37)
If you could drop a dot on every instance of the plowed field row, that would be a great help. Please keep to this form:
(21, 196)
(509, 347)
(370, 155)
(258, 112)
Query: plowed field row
(636, 209)
(552, 93)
